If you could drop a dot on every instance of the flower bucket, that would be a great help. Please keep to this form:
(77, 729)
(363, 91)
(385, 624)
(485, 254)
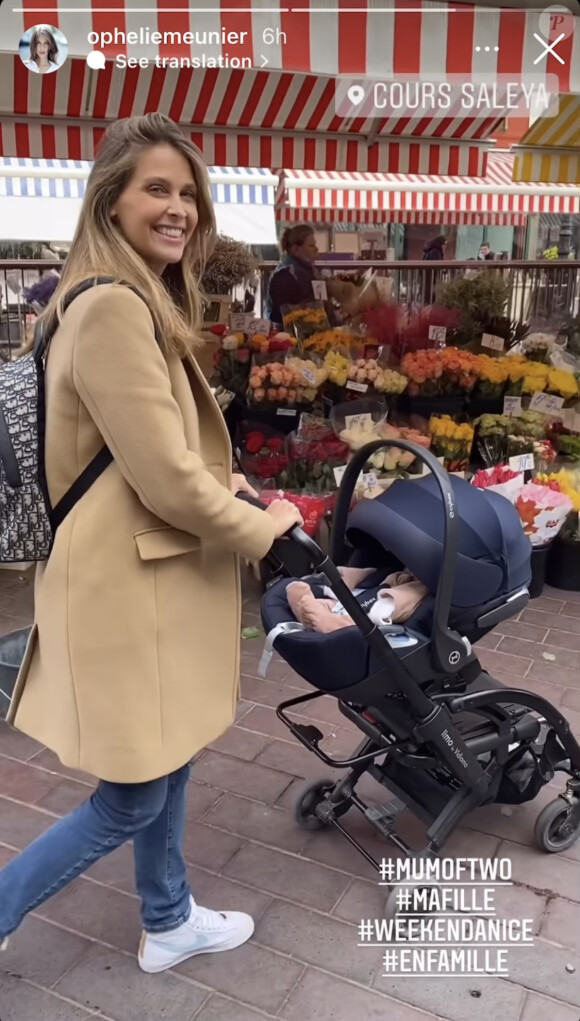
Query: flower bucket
(563, 568)
(539, 564)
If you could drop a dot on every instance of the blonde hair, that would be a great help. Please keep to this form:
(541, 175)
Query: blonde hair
(99, 247)
(296, 235)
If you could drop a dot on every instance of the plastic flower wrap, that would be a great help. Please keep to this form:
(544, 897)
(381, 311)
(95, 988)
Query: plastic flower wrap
(542, 506)
(500, 437)
(308, 376)
(543, 511)
(501, 480)
(539, 346)
(451, 441)
(337, 366)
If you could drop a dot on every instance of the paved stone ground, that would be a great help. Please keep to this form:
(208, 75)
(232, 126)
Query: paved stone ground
(74, 958)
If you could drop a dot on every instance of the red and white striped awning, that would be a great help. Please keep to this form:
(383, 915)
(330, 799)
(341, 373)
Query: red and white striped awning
(281, 113)
(400, 198)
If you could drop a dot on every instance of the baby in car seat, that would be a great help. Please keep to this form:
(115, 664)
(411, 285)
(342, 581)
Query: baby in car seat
(394, 603)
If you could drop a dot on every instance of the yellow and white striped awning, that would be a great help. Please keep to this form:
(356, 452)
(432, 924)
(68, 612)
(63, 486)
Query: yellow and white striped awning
(550, 150)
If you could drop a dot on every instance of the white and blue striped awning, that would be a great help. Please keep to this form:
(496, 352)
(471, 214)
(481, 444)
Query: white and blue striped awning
(244, 199)
(53, 184)
(239, 186)
(232, 186)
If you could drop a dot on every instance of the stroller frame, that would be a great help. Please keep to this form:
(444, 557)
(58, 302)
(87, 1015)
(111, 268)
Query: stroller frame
(445, 759)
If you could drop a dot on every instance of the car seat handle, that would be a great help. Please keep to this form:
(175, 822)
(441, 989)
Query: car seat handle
(449, 652)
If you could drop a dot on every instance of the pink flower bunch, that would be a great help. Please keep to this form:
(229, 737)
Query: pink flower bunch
(273, 383)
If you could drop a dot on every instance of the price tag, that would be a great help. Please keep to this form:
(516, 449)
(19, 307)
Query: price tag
(288, 412)
(512, 406)
(493, 343)
(338, 473)
(548, 404)
(258, 326)
(370, 480)
(309, 377)
(360, 388)
(364, 420)
(240, 321)
(522, 463)
(438, 334)
(319, 290)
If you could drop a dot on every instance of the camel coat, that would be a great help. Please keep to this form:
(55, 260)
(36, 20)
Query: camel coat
(132, 665)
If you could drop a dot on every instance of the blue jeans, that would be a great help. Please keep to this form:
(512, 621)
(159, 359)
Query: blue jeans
(151, 814)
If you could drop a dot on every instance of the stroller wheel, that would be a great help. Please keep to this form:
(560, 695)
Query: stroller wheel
(553, 831)
(397, 904)
(305, 808)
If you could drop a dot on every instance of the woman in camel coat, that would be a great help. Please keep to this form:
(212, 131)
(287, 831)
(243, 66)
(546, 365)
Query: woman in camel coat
(132, 666)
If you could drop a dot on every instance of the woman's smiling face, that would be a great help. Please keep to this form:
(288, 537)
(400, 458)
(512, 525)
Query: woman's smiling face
(157, 211)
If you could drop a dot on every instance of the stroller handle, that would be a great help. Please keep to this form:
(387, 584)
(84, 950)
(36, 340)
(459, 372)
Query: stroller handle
(296, 534)
(449, 650)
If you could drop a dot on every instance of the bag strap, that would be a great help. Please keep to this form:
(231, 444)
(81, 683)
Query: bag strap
(104, 457)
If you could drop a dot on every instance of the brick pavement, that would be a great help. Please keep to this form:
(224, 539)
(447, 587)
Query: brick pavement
(74, 959)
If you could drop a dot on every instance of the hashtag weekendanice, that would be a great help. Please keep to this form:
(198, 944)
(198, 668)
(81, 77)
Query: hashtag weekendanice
(450, 929)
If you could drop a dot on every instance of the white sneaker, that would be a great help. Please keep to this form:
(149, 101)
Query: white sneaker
(4, 943)
(205, 932)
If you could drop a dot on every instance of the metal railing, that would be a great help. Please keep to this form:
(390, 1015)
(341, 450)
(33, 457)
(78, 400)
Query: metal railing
(542, 293)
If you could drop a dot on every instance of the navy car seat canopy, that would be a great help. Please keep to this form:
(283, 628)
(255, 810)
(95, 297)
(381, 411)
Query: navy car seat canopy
(407, 519)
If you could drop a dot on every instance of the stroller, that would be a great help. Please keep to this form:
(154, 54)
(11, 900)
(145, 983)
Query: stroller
(442, 735)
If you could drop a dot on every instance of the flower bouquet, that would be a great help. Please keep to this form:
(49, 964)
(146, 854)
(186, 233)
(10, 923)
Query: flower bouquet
(368, 374)
(543, 510)
(451, 441)
(539, 346)
(304, 320)
(563, 384)
(323, 341)
(493, 376)
(308, 375)
(460, 371)
(272, 383)
(567, 443)
(312, 508)
(423, 370)
(314, 452)
(232, 364)
(501, 480)
(262, 452)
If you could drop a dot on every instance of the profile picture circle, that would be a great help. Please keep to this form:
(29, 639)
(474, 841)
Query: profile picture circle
(43, 49)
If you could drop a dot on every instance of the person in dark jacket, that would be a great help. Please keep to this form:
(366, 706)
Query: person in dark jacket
(291, 281)
(485, 253)
(435, 249)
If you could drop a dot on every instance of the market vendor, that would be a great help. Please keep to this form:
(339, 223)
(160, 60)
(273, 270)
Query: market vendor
(291, 282)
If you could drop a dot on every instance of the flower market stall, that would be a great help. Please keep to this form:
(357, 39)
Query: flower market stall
(502, 410)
